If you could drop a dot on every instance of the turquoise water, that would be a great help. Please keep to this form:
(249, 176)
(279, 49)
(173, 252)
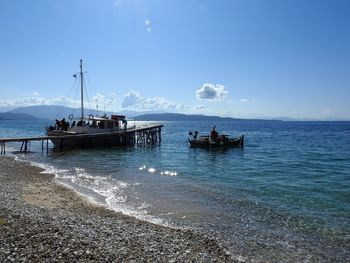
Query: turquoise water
(285, 197)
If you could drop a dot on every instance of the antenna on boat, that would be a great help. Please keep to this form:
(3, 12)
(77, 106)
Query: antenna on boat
(81, 89)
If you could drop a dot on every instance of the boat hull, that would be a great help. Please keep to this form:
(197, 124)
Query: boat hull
(62, 140)
(206, 143)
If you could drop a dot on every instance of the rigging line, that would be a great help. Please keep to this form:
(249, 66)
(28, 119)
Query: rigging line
(87, 94)
(72, 87)
(60, 112)
(88, 81)
(75, 95)
(73, 91)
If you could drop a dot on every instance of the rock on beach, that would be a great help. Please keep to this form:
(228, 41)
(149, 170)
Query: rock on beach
(42, 221)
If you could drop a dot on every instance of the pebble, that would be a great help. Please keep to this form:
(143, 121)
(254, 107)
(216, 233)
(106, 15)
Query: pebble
(77, 231)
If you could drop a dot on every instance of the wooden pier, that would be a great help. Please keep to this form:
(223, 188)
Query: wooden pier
(134, 136)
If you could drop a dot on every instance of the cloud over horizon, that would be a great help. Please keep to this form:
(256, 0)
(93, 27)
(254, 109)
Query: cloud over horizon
(210, 91)
(33, 101)
(134, 99)
(36, 99)
(131, 100)
(103, 100)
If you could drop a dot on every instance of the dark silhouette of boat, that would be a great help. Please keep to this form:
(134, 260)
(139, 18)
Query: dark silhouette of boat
(208, 141)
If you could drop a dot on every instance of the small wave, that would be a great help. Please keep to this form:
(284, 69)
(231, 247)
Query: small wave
(114, 203)
(103, 190)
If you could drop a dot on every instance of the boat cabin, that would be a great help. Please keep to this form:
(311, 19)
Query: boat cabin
(93, 124)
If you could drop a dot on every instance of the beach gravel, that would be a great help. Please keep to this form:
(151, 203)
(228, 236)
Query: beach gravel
(43, 221)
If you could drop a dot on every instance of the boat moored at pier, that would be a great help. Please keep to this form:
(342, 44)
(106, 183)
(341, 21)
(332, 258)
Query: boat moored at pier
(95, 131)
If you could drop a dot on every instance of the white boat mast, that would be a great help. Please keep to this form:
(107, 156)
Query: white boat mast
(81, 89)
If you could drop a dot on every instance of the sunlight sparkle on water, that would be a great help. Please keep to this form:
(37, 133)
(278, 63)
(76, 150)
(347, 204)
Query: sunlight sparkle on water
(142, 167)
(151, 170)
(169, 173)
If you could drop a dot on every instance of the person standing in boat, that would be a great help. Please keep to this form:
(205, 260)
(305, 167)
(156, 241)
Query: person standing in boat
(58, 125)
(64, 125)
(213, 134)
(195, 135)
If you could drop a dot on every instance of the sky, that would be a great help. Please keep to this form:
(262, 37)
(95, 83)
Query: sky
(235, 58)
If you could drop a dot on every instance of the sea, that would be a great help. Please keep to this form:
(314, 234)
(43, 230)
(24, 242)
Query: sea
(284, 197)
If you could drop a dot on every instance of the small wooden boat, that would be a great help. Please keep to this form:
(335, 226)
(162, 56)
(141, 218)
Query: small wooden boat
(220, 141)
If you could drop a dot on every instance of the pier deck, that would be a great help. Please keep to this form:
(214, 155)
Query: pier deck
(150, 134)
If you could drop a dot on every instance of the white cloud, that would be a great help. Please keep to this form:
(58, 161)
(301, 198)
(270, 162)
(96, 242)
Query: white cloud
(98, 98)
(21, 102)
(211, 92)
(36, 94)
(130, 99)
(148, 25)
(63, 101)
(135, 100)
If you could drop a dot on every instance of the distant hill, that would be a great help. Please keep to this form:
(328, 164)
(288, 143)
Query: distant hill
(180, 117)
(16, 116)
(190, 117)
(44, 111)
(52, 112)
(6, 108)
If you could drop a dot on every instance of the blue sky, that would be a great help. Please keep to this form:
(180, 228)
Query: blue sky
(239, 58)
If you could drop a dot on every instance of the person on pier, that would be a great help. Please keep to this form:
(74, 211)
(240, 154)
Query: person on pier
(125, 123)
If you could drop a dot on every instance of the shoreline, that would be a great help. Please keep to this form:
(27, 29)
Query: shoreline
(42, 220)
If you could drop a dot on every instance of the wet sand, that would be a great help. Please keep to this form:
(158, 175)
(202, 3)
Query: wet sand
(43, 221)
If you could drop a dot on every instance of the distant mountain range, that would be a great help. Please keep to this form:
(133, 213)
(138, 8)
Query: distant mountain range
(16, 116)
(51, 112)
(181, 117)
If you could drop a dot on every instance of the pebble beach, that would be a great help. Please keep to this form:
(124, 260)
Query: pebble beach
(44, 221)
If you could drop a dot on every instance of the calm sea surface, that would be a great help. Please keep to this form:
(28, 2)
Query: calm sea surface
(285, 197)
